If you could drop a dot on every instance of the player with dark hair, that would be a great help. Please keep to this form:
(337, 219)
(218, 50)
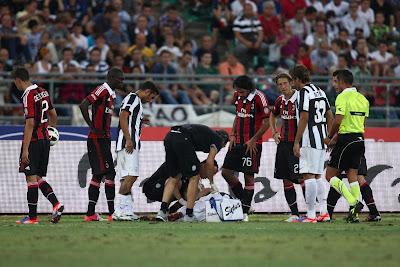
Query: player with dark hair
(181, 144)
(314, 119)
(352, 108)
(286, 164)
(251, 122)
(128, 146)
(39, 113)
(99, 141)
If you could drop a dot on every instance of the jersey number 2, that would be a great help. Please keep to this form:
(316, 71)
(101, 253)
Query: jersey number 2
(45, 107)
(320, 110)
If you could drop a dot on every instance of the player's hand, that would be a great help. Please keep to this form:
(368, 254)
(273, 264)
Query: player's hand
(296, 149)
(129, 146)
(251, 146)
(232, 140)
(25, 157)
(277, 138)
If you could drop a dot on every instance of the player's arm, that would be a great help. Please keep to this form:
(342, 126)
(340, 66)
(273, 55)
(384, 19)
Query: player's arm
(340, 104)
(300, 130)
(251, 144)
(84, 107)
(336, 124)
(232, 137)
(123, 122)
(275, 134)
(28, 130)
(209, 164)
(52, 117)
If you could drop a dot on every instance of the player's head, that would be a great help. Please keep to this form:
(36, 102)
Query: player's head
(20, 75)
(148, 92)
(300, 75)
(203, 169)
(224, 136)
(284, 82)
(115, 78)
(342, 79)
(243, 85)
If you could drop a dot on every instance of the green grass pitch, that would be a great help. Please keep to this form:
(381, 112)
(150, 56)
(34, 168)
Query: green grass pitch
(264, 241)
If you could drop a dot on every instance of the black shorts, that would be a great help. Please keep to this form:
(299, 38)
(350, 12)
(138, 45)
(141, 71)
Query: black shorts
(362, 169)
(100, 157)
(154, 188)
(236, 159)
(347, 152)
(38, 159)
(286, 163)
(180, 155)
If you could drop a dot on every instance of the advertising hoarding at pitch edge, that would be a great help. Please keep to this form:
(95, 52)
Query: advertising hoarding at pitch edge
(69, 171)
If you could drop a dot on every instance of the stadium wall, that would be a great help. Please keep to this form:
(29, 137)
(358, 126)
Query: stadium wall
(69, 172)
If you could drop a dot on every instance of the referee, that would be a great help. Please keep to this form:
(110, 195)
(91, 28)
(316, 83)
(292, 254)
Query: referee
(351, 110)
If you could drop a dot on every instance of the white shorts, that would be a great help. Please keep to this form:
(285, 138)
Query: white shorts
(311, 160)
(127, 164)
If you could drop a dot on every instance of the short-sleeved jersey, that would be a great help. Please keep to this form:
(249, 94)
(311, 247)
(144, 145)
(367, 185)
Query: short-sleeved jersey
(314, 101)
(250, 112)
(202, 137)
(37, 103)
(355, 108)
(102, 101)
(133, 105)
(286, 109)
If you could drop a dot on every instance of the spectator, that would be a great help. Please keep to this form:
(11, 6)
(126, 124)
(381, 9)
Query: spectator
(115, 36)
(249, 36)
(352, 21)
(379, 31)
(206, 68)
(298, 24)
(207, 46)
(79, 8)
(320, 6)
(67, 61)
(136, 61)
(310, 19)
(270, 22)
(231, 67)
(141, 26)
(5, 59)
(303, 57)
(380, 60)
(34, 38)
(342, 63)
(197, 96)
(79, 41)
(289, 7)
(361, 71)
(386, 8)
(59, 33)
(140, 44)
(95, 62)
(344, 36)
(102, 21)
(289, 44)
(366, 12)
(169, 89)
(237, 7)
(360, 49)
(339, 7)
(221, 23)
(171, 47)
(45, 41)
(100, 43)
(54, 6)
(29, 13)
(43, 66)
(332, 27)
(124, 17)
(171, 19)
(12, 40)
(323, 59)
(313, 40)
(147, 11)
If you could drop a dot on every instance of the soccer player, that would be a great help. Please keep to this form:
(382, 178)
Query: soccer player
(99, 141)
(351, 110)
(128, 146)
(314, 116)
(39, 113)
(286, 164)
(181, 144)
(366, 193)
(244, 154)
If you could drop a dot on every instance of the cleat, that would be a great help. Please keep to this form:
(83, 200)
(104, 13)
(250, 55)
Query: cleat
(57, 212)
(188, 218)
(353, 213)
(324, 218)
(125, 217)
(245, 217)
(109, 218)
(305, 219)
(292, 218)
(162, 216)
(373, 218)
(93, 218)
(27, 220)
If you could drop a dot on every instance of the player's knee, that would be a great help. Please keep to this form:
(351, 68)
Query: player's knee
(361, 180)
(287, 184)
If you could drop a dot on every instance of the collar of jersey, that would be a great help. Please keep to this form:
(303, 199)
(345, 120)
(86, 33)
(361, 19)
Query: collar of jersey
(350, 89)
(110, 91)
(251, 95)
(31, 87)
(291, 99)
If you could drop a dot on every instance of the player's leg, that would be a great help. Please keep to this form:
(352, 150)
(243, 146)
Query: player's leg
(291, 200)
(322, 200)
(333, 197)
(167, 196)
(310, 183)
(367, 195)
(191, 197)
(233, 164)
(109, 190)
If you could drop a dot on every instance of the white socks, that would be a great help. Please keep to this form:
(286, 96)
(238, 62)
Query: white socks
(311, 197)
(321, 196)
(124, 204)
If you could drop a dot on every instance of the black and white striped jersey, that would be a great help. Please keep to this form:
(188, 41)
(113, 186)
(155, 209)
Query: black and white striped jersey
(314, 101)
(133, 105)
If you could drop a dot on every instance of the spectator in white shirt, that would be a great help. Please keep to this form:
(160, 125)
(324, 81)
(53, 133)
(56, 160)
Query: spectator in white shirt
(352, 21)
(339, 7)
(298, 24)
(237, 7)
(380, 60)
(67, 60)
(100, 43)
(366, 12)
(79, 41)
(313, 40)
(320, 6)
(124, 16)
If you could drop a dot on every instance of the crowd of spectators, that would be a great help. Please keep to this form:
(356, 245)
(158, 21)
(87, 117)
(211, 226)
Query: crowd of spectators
(240, 36)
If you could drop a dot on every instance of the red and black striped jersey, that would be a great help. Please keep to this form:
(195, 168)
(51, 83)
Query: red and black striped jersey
(286, 109)
(250, 112)
(37, 103)
(102, 101)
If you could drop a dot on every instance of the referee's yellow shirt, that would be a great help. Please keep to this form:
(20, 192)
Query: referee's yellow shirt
(355, 108)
